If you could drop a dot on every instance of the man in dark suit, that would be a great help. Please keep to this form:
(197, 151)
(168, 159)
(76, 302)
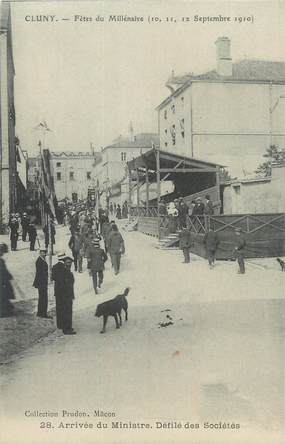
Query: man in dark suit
(14, 226)
(185, 244)
(25, 225)
(57, 273)
(209, 209)
(67, 297)
(199, 208)
(41, 283)
(32, 236)
(239, 247)
(211, 242)
(96, 259)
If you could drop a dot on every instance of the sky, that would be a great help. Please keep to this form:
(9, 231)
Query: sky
(88, 80)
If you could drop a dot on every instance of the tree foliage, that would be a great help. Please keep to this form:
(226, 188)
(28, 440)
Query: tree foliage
(273, 154)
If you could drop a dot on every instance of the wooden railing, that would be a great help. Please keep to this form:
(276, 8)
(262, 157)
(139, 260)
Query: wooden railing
(143, 212)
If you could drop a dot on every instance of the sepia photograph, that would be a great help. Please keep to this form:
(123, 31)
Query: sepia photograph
(142, 222)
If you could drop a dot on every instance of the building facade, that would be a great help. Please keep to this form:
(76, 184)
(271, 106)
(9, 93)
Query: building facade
(111, 171)
(8, 161)
(230, 115)
(33, 169)
(73, 173)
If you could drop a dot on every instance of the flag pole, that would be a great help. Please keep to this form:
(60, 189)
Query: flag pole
(44, 128)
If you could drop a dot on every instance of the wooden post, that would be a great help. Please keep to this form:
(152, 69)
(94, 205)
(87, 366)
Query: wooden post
(50, 247)
(130, 191)
(158, 187)
(218, 186)
(147, 192)
(138, 192)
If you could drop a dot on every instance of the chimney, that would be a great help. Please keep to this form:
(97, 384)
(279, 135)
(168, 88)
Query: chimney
(131, 132)
(224, 60)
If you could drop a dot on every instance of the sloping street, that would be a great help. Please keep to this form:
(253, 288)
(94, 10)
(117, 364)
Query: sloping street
(148, 373)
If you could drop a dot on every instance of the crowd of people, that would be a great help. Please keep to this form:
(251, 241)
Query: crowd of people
(86, 232)
(94, 238)
(178, 210)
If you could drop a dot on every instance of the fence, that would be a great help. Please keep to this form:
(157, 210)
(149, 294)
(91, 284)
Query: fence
(264, 233)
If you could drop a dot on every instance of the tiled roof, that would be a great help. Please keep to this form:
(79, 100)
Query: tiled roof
(75, 154)
(142, 140)
(242, 70)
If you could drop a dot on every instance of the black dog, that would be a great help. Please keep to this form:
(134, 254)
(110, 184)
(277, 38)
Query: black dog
(282, 264)
(113, 307)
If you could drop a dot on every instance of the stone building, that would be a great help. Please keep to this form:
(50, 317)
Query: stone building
(229, 115)
(8, 161)
(256, 195)
(111, 170)
(73, 173)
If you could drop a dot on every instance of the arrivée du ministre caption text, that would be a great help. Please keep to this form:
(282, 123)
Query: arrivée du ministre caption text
(99, 419)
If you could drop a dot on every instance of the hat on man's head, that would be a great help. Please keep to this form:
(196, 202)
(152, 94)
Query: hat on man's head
(68, 258)
(61, 256)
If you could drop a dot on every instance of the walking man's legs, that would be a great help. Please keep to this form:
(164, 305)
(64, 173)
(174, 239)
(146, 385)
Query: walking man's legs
(211, 257)
(241, 263)
(186, 253)
(101, 278)
(75, 256)
(94, 278)
(80, 260)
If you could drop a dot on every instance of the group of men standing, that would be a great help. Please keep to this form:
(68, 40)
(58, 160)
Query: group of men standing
(28, 228)
(211, 242)
(63, 290)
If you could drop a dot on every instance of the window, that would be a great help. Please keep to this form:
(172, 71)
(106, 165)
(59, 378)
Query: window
(123, 157)
(88, 175)
(173, 108)
(165, 131)
(182, 101)
(173, 134)
(182, 128)
(58, 176)
(165, 144)
(165, 114)
(58, 164)
(71, 175)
